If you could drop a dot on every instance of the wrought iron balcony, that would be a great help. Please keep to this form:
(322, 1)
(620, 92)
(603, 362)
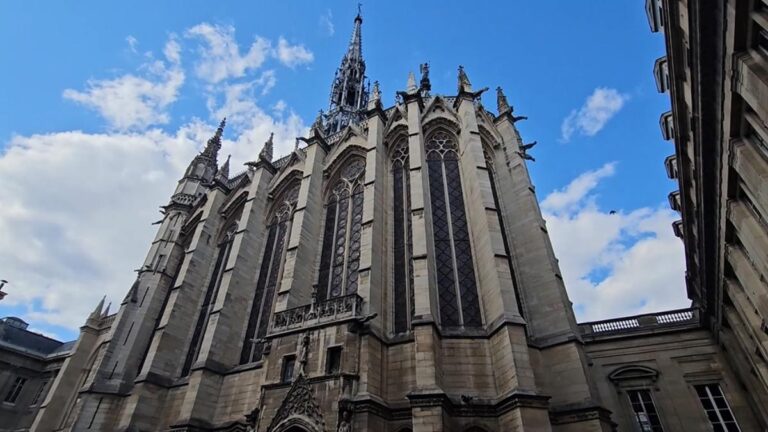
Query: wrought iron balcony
(640, 323)
(333, 309)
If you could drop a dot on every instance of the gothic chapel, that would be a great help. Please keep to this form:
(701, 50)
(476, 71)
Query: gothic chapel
(393, 273)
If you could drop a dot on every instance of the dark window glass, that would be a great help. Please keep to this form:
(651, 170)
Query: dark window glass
(762, 40)
(286, 373)
(39, 393)
(15, 390)
(333, 361)
(269, 276)
(206, 307)
(340, 257)
(402, 243)
(457, 288)
(716, 407)
(646, 416)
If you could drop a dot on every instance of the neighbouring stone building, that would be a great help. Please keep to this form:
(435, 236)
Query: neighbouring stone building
(29, 363)
(394, 273)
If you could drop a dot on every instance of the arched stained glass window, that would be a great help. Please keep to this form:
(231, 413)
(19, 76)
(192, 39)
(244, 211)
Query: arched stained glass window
(269, 275)
(456, 285)
(340, 257)
(209, 299)
(402, 247)
(491, 168)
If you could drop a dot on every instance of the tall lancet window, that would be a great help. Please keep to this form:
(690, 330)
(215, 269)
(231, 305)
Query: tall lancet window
(491, 167)
(402, 247)
(340, 258)
(209, 299)
(269, 275)
(456, 285)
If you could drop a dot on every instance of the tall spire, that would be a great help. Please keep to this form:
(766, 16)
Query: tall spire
(214, 144)
(349, 92)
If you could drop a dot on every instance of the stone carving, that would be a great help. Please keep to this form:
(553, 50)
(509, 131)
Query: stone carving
(345, 416)
(501, 102)
(299, 402)
(304, 353)
(425, 85)
(251, 419)
(267, 150)
(464, 84)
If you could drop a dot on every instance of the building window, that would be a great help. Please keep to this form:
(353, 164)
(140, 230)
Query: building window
(286, 372)
(333, 361)
(646, 417)
(269, 276)
(717, 409)
(402, 266)
(209, 299)
(340, 257)
(39, 394)
(456, 285)
(15, 390)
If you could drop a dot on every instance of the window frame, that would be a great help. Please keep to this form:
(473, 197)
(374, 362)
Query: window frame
(15, 390)
(286, 374)
(333, 352)
(717, 410)
(639, 391)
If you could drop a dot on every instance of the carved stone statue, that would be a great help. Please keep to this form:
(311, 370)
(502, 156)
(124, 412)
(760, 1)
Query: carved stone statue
(426, 86)
(345, 416)
(303, 353)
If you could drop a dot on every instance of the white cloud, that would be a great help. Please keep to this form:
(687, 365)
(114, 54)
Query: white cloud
(220, 56)
(132, 43)
(293, 55)
(599, 107)
(77, 208)
(617, 264)
(267, 81)
(131, 102)
(326, 23)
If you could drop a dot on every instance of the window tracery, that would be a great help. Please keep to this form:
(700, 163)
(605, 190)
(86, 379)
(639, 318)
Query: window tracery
(340, 257)
(402, 240)
(456, 284)
(278, 231)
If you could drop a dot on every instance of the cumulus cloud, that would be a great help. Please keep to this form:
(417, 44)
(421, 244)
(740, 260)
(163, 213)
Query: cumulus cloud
(220, 56)
(135, 101)
(293, 55)
(78, 207)
(617, 264)
(326, 23)
(599, 107)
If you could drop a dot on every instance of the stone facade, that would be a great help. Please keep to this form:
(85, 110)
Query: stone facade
(393, 273)
(716, 73)
(29, 362)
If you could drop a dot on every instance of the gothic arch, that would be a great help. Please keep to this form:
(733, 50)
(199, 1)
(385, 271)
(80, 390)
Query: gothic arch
(296, 424)
(458, 299)
(340, 154)
(394, 135)
(401, 244)
(445, 123)
(342, 229)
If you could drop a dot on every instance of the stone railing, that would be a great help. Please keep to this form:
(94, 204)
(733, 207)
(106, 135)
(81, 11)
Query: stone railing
(640, 323)
(183, 198)
(334, 309)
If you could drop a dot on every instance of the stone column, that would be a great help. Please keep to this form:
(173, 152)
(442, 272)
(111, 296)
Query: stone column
(299, 274)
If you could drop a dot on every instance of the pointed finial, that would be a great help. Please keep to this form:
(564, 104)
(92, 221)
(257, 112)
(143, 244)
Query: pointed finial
(317, 126)
(223, 174)
(425, 85)
(464, 84)
(106, 310)
(411, 83)
(266, 151)
(296, 145)
(375, 96)
(359, 11)
(96, 314)
(501, 102)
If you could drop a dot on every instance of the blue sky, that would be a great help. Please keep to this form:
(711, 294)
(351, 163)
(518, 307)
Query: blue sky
(82, 173)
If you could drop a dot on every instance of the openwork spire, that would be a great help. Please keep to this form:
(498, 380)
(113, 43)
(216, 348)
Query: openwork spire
(349, 92)
(214, 144)
(464, 84)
